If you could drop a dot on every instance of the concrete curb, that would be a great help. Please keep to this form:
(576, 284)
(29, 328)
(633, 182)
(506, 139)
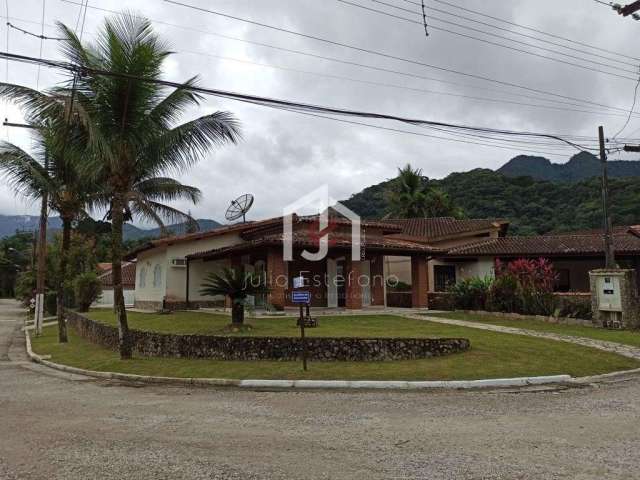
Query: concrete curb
(305, 384)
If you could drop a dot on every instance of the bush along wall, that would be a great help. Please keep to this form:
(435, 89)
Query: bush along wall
(268, 348)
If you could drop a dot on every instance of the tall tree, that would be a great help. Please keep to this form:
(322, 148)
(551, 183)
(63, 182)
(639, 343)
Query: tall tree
(59, 176)
(411, 197)
(132, 128)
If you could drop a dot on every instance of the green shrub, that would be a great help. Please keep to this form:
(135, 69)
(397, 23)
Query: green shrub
(25, 287)
(398, 286)
(504, 294)
(471, 293)
(50, 303)
(575, 309)
(87, 289)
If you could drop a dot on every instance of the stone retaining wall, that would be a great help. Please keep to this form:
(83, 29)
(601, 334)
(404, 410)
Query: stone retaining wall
(544, 318)
(175, 305)
(268, 348)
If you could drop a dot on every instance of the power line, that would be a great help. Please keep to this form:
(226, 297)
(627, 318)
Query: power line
(633, 105)
(392, 85)
(520, 50)
(424, 19)
(513, 32)
(44, 6)
(280, 103)
(376, 68)
(531, 29)
(385, 55)
(27, 32)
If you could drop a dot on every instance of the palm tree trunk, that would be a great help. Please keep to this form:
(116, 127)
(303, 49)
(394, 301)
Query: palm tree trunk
(237, 312)
(118, 295)
(64, 260)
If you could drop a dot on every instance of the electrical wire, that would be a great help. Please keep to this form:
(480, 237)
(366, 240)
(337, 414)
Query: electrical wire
(280, 103)
(6, 71)
(42, 37)
(424, 19)
(375, 68)
(531, 29)
(513, 32)
(27, 32)
(384, 55)
(396, 86)
(633, 105)
(519, 50)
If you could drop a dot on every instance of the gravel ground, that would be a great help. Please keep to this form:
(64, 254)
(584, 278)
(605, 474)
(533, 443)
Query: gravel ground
(56, 426)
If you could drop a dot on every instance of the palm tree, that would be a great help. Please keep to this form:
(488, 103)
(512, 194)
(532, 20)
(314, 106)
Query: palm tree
(439, 204)
(235, 285)
(54, 171)
(131, 125)
(409, 196)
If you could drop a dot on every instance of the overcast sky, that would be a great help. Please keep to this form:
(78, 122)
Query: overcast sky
(284, 155)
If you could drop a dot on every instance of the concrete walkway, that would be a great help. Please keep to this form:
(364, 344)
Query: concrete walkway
(620, 349)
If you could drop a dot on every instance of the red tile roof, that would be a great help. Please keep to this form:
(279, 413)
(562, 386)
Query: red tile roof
(104, 267)
(625, 240)
(236, 227)
(128, 276)
(442, 227)
(302, 239)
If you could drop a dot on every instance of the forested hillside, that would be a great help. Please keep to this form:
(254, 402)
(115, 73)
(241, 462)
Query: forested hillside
(532, 206)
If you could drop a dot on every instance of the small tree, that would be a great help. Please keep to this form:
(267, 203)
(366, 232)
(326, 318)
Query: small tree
(87, 289)
(237, 286)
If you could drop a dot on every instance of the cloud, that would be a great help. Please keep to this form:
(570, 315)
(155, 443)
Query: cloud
(284, 155)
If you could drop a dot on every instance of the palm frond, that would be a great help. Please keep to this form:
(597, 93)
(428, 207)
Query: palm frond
(26, 175)
(165, 189)
(182, 146)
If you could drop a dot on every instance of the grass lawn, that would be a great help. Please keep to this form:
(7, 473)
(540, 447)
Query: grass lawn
(492, 355)
(627, 337)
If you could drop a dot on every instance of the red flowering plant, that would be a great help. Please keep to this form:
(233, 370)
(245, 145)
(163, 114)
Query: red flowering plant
(523, 286)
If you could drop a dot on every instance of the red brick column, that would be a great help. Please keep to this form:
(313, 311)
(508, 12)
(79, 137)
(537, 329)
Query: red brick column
(276, 278)
(419, 282)
(353, 289)
(377, 280)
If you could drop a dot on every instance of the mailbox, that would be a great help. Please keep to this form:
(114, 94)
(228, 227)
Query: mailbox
(609, 298)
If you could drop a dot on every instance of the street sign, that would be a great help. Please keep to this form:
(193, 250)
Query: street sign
(298, 282)
(301, 296)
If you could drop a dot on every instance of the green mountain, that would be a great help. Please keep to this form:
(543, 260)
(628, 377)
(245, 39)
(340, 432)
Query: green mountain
(581, 166)
(9, 224)
(532, 206)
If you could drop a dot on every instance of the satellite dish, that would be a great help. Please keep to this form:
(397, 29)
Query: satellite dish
(239, 207)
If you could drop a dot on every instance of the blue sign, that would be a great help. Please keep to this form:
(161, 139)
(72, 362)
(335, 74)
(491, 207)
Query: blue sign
(301, 296)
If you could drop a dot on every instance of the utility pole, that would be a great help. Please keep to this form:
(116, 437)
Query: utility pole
(609, 254)
(42, 244)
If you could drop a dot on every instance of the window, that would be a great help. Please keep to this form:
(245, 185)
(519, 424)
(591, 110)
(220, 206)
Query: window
(157, 276)
(444, 276)
(142, 277)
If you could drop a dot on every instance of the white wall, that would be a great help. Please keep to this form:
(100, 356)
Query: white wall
(177, 277)
(174, 279)
(198, 270)
(146, 264)
(106, 298)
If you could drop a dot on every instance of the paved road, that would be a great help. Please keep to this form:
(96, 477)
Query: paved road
(57, 427)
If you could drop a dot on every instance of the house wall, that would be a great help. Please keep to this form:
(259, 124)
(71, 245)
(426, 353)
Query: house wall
(198, 270)
(578, 271)
(106, 298)
(177, 276)
(147, 262)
